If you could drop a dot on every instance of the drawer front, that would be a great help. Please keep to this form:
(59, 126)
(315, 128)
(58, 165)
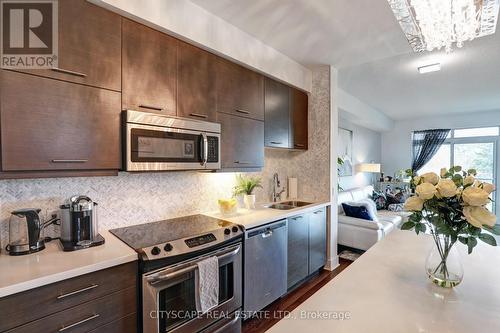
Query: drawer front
(126, 324)
(86, 317)
(34, 304)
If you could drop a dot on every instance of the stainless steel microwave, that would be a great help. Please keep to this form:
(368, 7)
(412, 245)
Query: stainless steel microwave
(154, 142)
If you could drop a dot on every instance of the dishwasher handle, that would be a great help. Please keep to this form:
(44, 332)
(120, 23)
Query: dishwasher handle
(267, 230)
(268, 233)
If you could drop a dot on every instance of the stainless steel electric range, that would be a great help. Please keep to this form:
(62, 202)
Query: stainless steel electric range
(169, 251)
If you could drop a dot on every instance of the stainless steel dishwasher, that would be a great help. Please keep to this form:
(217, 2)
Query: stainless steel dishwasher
(265, 265)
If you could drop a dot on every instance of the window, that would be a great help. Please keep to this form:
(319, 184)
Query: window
(440, 160)
(470, 148)
(475, 132)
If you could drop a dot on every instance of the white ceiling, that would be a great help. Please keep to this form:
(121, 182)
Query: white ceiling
(363, 39)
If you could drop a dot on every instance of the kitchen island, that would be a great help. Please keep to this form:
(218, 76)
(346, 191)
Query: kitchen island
(387, 290)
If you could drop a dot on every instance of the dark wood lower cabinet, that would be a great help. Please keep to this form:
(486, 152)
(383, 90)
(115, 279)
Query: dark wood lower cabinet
(298, 253)
(86, 302)
(242, 142)
(49, 125)
(87, 316)
(127, 324)
(306, 245)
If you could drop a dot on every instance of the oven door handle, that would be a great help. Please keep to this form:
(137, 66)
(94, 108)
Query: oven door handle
(227, 324)
(159, 277)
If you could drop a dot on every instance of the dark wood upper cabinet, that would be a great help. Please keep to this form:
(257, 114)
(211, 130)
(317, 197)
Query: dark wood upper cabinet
(52, 125)
(89, 46)
(196, 94)
(277, 114)
(242, 142)
(149, 72)
(299, 113)
(286, 113)
(239, 90)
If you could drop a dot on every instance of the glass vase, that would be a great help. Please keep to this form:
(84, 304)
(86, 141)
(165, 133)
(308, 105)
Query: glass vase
(443, 265)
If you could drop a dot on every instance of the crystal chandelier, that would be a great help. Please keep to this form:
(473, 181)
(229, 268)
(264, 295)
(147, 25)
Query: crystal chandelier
(437, 24)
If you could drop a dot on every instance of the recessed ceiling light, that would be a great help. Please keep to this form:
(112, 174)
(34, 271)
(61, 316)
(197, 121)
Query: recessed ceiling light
(429, 68)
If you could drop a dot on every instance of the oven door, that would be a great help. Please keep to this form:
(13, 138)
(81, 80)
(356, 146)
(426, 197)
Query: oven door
(154, 148)
(169, 294)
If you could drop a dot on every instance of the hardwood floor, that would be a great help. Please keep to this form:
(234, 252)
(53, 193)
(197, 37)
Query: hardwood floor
(277, 310)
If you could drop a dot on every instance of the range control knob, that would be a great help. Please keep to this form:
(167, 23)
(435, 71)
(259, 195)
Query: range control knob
(227, 231)
(168, 247)
(235, 229)
(155, 251)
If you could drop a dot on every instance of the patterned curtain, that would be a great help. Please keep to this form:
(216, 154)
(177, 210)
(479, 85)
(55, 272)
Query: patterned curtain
(425, 144)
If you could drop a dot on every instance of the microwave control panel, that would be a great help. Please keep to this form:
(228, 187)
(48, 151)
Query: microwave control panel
(213, 149)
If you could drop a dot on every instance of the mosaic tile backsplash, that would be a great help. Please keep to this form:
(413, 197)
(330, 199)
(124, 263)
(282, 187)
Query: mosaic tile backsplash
(138, 198)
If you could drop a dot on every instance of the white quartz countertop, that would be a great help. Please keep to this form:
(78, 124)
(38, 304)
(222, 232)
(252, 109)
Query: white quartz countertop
(21, 273)
(387, 290)
(262, 215)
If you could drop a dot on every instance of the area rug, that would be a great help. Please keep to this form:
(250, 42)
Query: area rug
(349, 255)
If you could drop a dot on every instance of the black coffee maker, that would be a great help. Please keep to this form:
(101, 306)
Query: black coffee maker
(79, 228)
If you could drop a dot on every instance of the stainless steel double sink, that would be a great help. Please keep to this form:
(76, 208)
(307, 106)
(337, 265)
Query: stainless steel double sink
(286, 205)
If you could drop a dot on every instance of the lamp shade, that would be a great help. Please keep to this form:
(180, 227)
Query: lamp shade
(368, 167)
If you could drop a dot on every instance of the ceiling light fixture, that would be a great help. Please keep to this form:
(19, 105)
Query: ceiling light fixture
(429, 68)
(436, 24)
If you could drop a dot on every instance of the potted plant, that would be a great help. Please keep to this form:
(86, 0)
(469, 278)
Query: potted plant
(245, 186)
(452, 207)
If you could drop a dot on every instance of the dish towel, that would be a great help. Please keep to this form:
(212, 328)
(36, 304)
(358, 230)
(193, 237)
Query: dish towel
(207, 284)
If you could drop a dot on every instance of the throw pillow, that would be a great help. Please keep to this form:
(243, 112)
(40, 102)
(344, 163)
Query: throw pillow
(359, 212)
(396, 207)
(379, 199)
(371, 207)
(394, 198)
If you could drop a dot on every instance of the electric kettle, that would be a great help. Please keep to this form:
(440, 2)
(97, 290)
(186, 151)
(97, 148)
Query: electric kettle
(25, 232)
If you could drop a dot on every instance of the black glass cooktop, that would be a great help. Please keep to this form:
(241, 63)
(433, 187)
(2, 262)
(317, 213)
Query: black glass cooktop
(149, 234)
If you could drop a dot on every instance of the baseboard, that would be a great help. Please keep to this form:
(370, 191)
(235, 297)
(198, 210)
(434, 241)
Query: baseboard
(332, 263)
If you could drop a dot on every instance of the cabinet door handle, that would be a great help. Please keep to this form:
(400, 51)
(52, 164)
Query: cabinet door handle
(65, 71)
(242, 162)
(299, 145)
(70, 161)
(151, 107)
(276, 143)
(242, 111)
(72, 293)
(64, 328)
(198, 115)
(297, 217)
(318, 212)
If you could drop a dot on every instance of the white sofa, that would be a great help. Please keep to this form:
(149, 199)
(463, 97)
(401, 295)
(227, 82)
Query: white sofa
(363, 234)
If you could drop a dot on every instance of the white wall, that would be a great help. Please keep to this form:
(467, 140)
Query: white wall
(187, 21)
(362, 114)
(366, 149)
(396, 143)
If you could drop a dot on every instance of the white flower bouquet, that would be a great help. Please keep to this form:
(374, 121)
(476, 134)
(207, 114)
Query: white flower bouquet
(452, 207)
